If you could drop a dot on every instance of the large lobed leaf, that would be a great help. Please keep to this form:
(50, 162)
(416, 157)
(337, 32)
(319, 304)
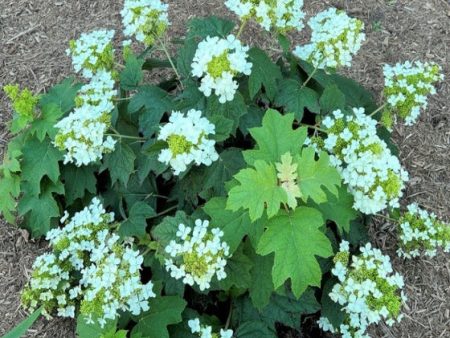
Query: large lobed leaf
(296, 238)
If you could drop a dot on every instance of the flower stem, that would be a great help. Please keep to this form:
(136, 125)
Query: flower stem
(241, 29)
(164, 49)
(387, 218)
(313, 127)
(227, 324)
(119, 135)
(309, 78)
(165, 211)
(377, 110)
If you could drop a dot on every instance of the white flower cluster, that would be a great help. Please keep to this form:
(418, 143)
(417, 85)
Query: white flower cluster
(281, 15)
(368, 291)
(374, 176)
(186, 137)
(205, 331)
(89, 267)
(217, 61)
(81, 133)
(199, 257)
(419, 230)
(335, 39)
(407, 86)
(147, 20)
(92, 52)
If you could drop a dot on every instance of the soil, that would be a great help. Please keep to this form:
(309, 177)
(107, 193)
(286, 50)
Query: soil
(34, 35)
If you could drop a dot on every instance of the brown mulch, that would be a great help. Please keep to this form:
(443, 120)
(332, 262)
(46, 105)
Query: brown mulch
(34, 35)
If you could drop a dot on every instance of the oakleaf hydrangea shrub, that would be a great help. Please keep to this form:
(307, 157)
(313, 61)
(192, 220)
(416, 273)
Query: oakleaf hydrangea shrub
(205, 192)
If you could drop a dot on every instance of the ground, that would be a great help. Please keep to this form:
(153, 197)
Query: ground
(34, 35)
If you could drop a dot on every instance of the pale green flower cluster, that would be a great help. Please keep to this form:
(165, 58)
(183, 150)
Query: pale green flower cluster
(146, 20)
(374, 176)
(335, 39)
(197, 255)
(92, 52)
(407, 87)
(420, 231)
(89, 269)
(23, 103)
(279, 15)
(368, 290)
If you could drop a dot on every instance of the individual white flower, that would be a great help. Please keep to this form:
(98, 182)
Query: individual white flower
(89, 269)
(335, 39)
(217, 61)
(374, 176)
(368, 292)
(206, 331)
(420, 232)
(187, 139)
(199, 256)
(146, 20)
(81, 133)
(407, 86)
(92, 52)
(279, 15)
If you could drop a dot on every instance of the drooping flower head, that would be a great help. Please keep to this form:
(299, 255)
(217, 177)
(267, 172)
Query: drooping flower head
(187, 139)
(421, 232)
(335, 39)
(24, 103)
(374, 176)
(217, 61)
(197, 255)
(407, 86)
(368, 291)
(90, 269)
(81, 134)
(146, 20)
(279, 15)
(92, 52)
(206, 331)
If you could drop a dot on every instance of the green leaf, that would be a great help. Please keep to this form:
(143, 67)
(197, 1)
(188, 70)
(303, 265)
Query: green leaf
(62, 95)
(94, 330)
(185, 56)
(254, 329)
(9, 191)
(155, 102)
(45, 124)
(224, 127)
(261, 287)
(40, 210)
(339, 209)
(265, 74)
(165, 231)
(258, 190)
(22, 328)
(209, 26)
(332, 99)
(40, 159)
(284, 309)
(120, 163)
(296, 239)
(294, 99)
(229, 163)
(232, 110)
(136, 222)
(314, 176)
(238, 271)
(78, 180)
(331, 310)
(275, 138)
(284, 42)
(235, 225)
(132, 75)
(164, 311)
(355, 94)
